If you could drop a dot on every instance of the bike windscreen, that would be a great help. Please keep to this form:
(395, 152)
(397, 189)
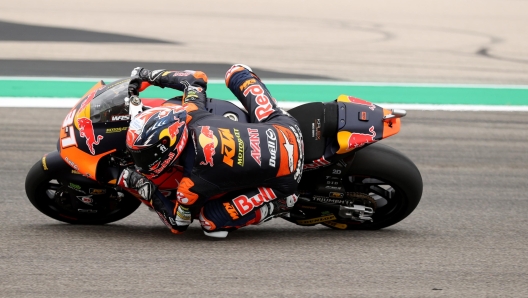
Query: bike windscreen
(109, 103)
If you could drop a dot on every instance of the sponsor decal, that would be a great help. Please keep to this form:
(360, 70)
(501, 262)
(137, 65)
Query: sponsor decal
(116, 129)
(333, 187)
(44, 165)
(244, 205)
(289, 150)
(272, 146)
(97, 191)
(338, 195)
(316, 129)
(336, 225)
(240, 153)
(86, 210)
(208, 141)
(71, 163)
(362, 102)
(247, 83)
(86, 200)
(321, 162)
(316, 220)
(183, 141)
(158, 168)
(291, 156)
(228, 146)
(357, 140)
(181, 74)
(86, 131)
(76, 187)
(174, 129)
(254, 142)
(231, 211)
(300, 147)
(326, 200)
(264, 107)
(69, 135)
(120, 117)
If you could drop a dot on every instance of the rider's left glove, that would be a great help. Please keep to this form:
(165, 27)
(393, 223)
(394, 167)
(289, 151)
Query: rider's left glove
(147, 75)
(176, 218)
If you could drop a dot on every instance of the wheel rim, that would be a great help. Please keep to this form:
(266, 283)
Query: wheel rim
(64, 202)
(387, 196)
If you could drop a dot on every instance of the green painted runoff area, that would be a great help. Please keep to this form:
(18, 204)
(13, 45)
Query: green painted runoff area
(300, 92)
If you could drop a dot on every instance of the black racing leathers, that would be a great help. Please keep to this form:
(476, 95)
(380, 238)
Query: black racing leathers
(242, 167)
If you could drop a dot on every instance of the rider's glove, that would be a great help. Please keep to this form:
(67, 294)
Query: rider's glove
(147, 75)
(177, 219)
(131, 179)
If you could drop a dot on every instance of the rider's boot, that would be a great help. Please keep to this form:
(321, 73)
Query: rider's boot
(275, 208)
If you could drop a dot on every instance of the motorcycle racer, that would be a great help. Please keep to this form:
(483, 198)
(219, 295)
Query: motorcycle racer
(235, 174)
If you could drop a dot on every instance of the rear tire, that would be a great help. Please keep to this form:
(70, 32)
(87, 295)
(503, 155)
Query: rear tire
(50, 196)
(389, 177)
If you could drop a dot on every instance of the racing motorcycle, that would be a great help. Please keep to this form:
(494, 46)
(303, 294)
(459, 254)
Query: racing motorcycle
(349, 181)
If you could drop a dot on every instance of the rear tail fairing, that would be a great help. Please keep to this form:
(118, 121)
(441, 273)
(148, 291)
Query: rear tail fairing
(361, 123)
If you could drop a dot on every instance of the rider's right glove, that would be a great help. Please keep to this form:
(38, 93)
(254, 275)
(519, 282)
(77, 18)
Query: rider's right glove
(148, 75)
(131, 179)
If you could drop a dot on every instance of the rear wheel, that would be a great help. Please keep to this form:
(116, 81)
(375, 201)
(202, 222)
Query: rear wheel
(384, 179)
(52, 196)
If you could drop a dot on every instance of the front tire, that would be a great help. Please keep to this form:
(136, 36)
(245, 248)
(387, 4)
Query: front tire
(51, 196)
(389, 178)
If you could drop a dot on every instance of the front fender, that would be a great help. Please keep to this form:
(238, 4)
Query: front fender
(52, 162)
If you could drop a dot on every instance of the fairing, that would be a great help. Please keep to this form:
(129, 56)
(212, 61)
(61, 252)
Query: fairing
(362, 123)
(95, 127)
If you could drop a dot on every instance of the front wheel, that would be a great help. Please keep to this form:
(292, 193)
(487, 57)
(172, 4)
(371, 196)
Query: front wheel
(384, 179)
(52, 194)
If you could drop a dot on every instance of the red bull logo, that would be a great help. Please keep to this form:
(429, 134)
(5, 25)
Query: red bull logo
(357, 140)
(174, 129)
(244, 205)
(86, 131)
(208, 142)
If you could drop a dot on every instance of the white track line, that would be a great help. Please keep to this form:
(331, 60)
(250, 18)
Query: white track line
(46, 102)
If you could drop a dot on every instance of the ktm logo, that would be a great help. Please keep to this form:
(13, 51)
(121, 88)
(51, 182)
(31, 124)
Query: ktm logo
(231, 210)
(228, 146)
(247, 83)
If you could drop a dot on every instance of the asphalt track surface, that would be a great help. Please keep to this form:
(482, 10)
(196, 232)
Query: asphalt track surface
(467, 237)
